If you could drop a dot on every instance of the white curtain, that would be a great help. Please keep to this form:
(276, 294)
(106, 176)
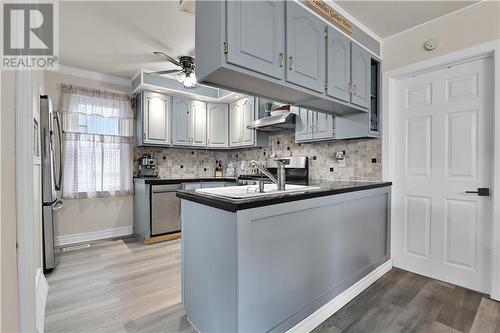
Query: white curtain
(98, 143)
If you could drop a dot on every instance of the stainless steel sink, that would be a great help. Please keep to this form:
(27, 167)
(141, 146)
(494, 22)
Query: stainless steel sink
(250, 191)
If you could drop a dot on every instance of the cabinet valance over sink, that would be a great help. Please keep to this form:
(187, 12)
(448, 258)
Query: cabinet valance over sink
(284, 51)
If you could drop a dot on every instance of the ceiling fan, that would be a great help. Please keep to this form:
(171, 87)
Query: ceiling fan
(185, 74)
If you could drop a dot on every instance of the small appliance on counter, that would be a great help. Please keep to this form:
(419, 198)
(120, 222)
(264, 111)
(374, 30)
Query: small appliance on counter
(147, 167)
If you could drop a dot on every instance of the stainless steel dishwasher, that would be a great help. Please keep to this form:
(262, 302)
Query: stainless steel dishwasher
(165, 209)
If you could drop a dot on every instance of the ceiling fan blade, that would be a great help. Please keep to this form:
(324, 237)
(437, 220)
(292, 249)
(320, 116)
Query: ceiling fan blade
(170, 71)
(167, 57)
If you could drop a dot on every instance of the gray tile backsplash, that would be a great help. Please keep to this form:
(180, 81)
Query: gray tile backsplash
(363, 158)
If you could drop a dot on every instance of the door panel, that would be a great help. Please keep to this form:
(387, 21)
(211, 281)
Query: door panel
(217, 115)
(360, 77)
(461, 144)
(258, 46)
(182, 121)
(198, 128)
(444, 118)
(248, 115)
(417, 226)
(235, 119)
(305, 48)
(460, 233)
(156, 118)
(338, 65)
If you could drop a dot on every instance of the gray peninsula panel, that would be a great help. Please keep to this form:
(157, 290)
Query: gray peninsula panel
(266, 269)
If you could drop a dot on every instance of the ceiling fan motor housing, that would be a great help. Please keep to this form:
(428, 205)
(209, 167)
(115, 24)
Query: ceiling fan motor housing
(187, 64)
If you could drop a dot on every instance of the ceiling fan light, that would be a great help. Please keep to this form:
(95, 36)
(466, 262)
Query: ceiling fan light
(180, 77)
(189, 81)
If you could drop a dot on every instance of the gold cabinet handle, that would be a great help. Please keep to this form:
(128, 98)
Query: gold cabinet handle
(144, 136)
(290, 63)
(354, 88)
(349, 88)
(282, 60)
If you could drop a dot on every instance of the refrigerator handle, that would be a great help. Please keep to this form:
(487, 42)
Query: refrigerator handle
(59, 133)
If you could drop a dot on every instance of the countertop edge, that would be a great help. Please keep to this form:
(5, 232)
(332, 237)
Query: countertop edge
(155, 181)
(234, 206)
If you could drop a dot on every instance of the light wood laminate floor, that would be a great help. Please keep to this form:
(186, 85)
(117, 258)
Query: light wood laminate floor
(124, 286)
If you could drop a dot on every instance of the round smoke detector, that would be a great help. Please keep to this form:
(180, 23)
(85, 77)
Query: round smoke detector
(431, 44)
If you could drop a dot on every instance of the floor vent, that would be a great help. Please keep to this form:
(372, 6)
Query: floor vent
(73, 248)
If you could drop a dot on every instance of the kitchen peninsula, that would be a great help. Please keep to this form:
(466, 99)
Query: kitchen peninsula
(265, 262)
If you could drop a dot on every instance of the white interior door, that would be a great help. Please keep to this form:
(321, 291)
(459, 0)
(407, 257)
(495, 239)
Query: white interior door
(444, 120)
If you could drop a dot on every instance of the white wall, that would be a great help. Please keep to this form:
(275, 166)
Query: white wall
(8, 265)
(460, 30)
(82, 216)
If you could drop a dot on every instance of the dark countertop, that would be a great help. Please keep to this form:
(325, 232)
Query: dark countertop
(326, 188)
(166, 181)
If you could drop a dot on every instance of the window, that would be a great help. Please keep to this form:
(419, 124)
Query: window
(98, 143)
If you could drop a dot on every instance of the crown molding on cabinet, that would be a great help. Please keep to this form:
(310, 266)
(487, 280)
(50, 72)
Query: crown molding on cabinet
(170, 86)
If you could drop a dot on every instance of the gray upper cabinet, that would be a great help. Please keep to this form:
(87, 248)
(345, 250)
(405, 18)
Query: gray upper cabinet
(235, 120)
(314, 126)
(360, 77)
(153, 119)
(305, 48)
(241, 113)
(278, 49)
(189, 122)
(338, 65)
(323, 127)
(217, 125)
(256, 36)
(303, 125)
(248, 115)
(181, 121)
(198, 124)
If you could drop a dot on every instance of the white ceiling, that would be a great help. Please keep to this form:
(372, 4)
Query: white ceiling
(118, 37)
(386, 18)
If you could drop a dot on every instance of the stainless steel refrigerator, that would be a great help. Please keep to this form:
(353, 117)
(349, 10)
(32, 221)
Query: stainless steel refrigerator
(51, 158)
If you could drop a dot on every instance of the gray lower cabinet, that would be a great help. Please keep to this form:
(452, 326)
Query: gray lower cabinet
(257, 46)
(153, 119)
(217, 125)
(156, 209)
(314, 126)
(305, 48)
(189, 122)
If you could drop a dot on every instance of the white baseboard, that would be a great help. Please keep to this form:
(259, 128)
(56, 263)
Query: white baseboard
(92, 236)
(42, 290)
(323, 313)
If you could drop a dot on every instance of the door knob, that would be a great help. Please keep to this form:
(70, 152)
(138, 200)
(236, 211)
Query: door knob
(481, 191)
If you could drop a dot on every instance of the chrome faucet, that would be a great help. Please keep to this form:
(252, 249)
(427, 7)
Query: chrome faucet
(280, 179)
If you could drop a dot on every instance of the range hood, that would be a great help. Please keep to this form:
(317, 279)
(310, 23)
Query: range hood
(277, 123)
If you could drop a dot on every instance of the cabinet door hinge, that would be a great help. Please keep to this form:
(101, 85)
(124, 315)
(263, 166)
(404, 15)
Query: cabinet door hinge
(226, 48)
